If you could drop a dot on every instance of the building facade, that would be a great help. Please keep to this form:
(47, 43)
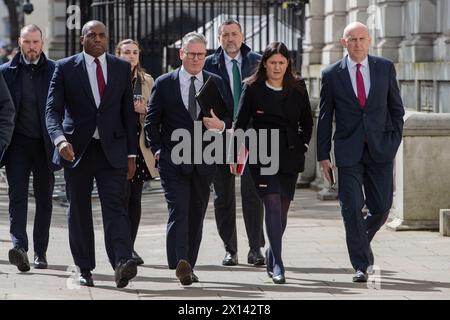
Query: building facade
(415, 34)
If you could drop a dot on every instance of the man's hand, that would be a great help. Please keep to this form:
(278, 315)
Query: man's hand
(65, 150)
(326, 167)
(131, 168)
(213, 123)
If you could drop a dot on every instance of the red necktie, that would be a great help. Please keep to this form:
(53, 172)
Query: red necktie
(360, 87)
(100, 78)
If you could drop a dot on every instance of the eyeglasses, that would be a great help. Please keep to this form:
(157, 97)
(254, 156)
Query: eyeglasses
(192, 55)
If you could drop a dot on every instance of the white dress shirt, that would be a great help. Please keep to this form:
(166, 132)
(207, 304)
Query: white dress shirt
(365, 71)
(229, 66)
(185, 84)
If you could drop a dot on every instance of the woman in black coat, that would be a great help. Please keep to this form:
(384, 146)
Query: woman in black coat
(275, 99)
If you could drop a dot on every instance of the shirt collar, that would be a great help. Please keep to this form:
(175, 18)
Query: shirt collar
(90, 59)
(352, 64)
(228, 59)
(186, 76)
(28, 62)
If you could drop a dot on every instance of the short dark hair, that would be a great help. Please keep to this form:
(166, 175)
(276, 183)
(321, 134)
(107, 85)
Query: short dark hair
(88, 24)
(229, 22)
(30, 28)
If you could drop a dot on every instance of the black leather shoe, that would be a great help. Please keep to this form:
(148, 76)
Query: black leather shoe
(86, 279)
(125, 271)
(194, 277)
(40, 261)
(230, 259)
(360, 276)
(137, 258)
(19, 258)
(280, 279)
(255, 257)
(184, 272)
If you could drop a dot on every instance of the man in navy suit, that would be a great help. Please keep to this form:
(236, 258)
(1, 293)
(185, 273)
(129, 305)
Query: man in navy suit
(90, 118)
(234, 61)
(361, 92)
(28, 77)
(173, 106)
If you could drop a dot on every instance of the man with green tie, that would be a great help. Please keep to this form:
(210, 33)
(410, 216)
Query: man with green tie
(234, 61)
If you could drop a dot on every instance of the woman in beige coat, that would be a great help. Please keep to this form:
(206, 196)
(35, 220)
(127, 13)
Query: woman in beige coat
(145, 162)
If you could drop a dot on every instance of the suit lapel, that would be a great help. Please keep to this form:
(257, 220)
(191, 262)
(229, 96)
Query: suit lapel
(346, 80)
(373, 79)
(80, 70)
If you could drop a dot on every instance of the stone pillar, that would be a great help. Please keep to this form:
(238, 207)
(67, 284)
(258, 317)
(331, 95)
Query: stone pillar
(444, 222)
(50, 16)
(421, 167)
(420, 18)
(386, 27)
(442, 44)
(309, 174)
(358, 11)
(335, 22)
(314, 33)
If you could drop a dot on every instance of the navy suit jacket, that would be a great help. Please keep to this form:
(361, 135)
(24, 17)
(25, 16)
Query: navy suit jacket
(7, 113)
(167, 113)
(380, 122)
(12, 72)
(71, 110)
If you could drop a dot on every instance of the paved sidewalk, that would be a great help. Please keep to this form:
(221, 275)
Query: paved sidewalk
(411, 265)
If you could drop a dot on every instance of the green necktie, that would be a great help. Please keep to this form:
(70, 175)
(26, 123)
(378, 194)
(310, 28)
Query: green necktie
(236, 87)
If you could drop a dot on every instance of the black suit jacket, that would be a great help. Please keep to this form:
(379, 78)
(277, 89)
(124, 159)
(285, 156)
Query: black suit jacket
(71, 110)
(294, 126)
(7, 113)
(381, 120)
(167, 113)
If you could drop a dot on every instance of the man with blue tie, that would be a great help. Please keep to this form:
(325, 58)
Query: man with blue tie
(362, 93)
(90, 118)
(173, 106)
(234, 61)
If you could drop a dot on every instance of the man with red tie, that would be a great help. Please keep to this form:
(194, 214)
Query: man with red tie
(90, 119)
(362, 94)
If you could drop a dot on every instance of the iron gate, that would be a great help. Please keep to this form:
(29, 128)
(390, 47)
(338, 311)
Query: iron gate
(159, 25)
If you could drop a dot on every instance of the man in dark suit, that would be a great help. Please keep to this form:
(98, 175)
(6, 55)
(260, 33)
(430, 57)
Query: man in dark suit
(234, 61)
(91, 120)
(7, 113)
(361, 91)
(28, 77)
(173, 106)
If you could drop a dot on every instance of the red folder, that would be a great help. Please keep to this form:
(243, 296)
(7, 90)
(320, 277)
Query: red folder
(238, 168)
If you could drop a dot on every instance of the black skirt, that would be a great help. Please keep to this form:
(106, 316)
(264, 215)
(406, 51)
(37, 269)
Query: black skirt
(283, 184)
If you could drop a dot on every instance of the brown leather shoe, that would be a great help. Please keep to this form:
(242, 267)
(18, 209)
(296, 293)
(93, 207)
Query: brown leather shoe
(184, 272)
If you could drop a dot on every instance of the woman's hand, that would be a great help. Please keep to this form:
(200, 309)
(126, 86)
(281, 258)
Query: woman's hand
(139, 106)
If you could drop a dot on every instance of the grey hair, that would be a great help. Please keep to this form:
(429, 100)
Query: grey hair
(193, 37)
(227, 23)
(30, 28)
(352, 26)
(88, 25)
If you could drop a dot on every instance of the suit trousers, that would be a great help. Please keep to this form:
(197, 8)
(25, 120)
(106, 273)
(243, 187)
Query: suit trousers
(371, 184)
(225, 209)
(111, 184)
(25, 156)
(187, 198)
